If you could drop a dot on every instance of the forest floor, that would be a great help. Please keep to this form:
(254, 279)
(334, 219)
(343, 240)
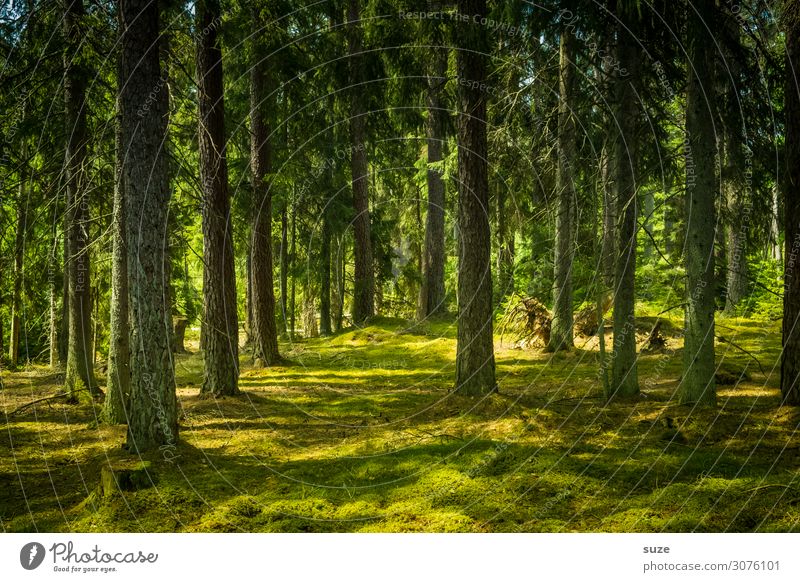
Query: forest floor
(360, 432)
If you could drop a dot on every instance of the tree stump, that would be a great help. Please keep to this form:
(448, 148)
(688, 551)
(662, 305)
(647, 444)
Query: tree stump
(179, 324)
(118, 476)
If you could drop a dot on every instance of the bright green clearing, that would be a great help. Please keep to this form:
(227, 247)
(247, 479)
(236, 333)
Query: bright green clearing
(361, 433)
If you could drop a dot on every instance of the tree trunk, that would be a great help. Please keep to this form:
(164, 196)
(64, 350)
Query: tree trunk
(53, 336)
(80, 351)
(118, 384)
(624, 377)
(432, 291)
(790, 356)
(19, 255)
(220, 318)
(561, 331)
(339, 269)
(364, 285)
(734, 193)
(475, 371)
(284, 263)
(697, 385)
(63, 333)
(775, 251)
(292, 258)
(608, 251)
(152, 412)
(264, 328)
(325, 274)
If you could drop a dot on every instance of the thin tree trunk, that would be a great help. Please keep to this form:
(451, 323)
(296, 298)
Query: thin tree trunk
(364, 286)
(152, 411)
(697, 385)
(220, 318)
(284, 263)
(264, 327)
(561, 331)
(292, 258)
(52, 266)
(63, 333)
(790, 356)
(19, 255)
(608, 252)
(118, 386)
(475, 368)
(339, 259)
(325, 275)
(80, 351)
(432, 291)
(775, 250)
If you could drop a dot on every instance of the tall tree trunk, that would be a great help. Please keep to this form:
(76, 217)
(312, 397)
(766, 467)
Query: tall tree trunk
(432, 291)
(364, 282)
(608, 249)
(19, 255)
(475, 371)
(339, 269)
(561, 331)
(325, 274)
(80, 351)
(53, 285)
(775, 251)
(220, 318)
(284, 263)
(63, 331)
(264, 328)
(624, 377)
(734, 193)
(505, 246)
(152, 411)
(118, 387)
(790, 356)
(292, 259)
(697, 385)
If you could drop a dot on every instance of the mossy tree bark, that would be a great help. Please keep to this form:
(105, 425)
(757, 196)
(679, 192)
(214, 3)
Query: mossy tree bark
(698, 385)
(152, 412)
(118, 386)
(364, 280)
(220, 318)
(80, 351)
(790, 357)
(624, 376)
(564, 247)
(263, 328)
(475, 369)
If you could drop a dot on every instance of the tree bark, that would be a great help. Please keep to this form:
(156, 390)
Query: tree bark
(364, 282)
(325, 274)
(80, 351)
(118, 385)
(284, 264)
(475, 368)
(790, 356)
(698, 384)
(432, 291)
(220, 318)
(19, 256)
(264, 328)
(561, 332)
(152, 411)
(624, 376)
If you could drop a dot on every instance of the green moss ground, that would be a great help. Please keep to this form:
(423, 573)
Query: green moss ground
(361, 433)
